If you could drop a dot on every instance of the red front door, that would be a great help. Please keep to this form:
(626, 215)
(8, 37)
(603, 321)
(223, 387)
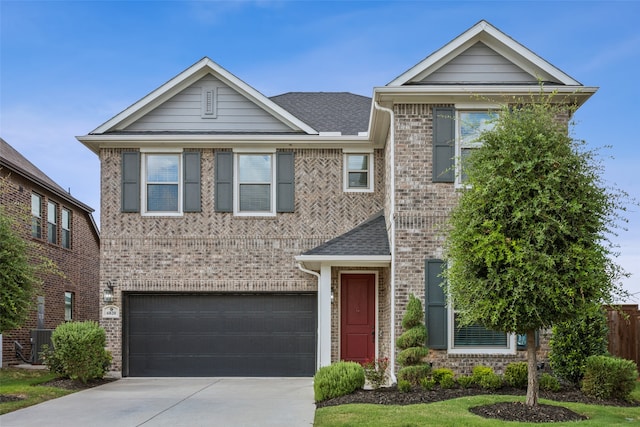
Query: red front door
(357, 317)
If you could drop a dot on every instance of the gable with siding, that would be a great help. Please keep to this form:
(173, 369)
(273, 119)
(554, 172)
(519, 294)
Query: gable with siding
(231, 112)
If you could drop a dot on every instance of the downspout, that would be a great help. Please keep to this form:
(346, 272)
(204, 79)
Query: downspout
(319, 351)
(392, 220)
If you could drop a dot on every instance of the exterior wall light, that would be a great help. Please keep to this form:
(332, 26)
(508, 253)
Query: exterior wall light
(107, 294)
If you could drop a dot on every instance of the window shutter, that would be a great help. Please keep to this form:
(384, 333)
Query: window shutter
(130, 182)
(443, 144)
(285, 182)
(191, 191)
(435, 305)
(224, 181)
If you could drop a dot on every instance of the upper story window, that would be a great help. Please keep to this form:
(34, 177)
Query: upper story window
(66, 228)
(358, 171)
(52, 222)
(162, 186)
(255, 189)
(36, 215)
(470, 124)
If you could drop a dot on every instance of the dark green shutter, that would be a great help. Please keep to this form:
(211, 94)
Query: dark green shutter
(435, 305)
(224, 182)
(443, 144)
(285, 182)
(191, 181)
(130, 182)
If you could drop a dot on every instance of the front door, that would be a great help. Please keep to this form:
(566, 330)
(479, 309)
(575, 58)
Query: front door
(357, 314)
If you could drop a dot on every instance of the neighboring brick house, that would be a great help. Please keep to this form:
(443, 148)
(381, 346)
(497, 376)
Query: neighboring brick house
(246, 235)
(63, 230)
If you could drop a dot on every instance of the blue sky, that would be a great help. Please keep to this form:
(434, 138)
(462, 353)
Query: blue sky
(68, 66)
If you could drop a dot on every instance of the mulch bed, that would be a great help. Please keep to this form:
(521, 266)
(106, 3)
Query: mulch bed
(506, 411)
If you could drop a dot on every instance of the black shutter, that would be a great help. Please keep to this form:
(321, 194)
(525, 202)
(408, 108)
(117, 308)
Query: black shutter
(191, 202)
(130, 182)
(285, 182)
(435, 304)
(224, 181)
(443, 144)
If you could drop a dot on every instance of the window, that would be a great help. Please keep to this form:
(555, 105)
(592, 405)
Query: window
(66, 228)
(255, 191)
(358, 168)
(477, 338)
(470, 124)
(36, 215)
(162, 189)
(68, 306)
(52, 222)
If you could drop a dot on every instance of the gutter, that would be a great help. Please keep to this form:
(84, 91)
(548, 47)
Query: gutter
(392, 244)
(318, 352)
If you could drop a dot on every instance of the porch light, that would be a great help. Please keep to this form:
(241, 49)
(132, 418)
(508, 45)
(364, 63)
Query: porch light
(107, 294)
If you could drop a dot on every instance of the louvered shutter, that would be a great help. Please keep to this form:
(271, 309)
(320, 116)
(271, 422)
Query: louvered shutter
(224, 182)
(191, 191)
(443, 144)
(285, 182)
(435, 305)
(130, 201)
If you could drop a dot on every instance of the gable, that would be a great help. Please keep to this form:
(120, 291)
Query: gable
(209, 105)
(479, 64)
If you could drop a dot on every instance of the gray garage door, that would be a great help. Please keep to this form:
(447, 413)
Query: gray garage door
(219, 335)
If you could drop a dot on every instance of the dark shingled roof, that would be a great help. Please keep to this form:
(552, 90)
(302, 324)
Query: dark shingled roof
(368, 238)
(328, 111)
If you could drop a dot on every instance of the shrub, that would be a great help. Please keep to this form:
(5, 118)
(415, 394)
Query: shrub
(440, 373)
(404, 386)
(339, 379)
(78, 351)
(486, 378)
(447, 382)
(412, 338)
(575, 340)
(516, 374)
(414, 374)
(375, 371)
(549, 383)
(607, 377)
(427, 383)
(412, 356)
(465, 381)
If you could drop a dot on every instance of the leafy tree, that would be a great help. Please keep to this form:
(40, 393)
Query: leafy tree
(528, 242)
(21, 266)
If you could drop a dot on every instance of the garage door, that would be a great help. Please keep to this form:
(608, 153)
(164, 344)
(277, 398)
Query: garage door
(219, 335)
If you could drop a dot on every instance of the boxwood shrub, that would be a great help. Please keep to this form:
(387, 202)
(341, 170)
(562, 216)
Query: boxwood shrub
(338, 379)
(516, 374)
(607, 377)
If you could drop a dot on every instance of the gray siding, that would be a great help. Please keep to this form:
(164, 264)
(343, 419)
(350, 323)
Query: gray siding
(235, 113)
(480, 64)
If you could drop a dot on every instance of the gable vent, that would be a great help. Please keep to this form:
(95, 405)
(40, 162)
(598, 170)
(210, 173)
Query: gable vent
(208, 105)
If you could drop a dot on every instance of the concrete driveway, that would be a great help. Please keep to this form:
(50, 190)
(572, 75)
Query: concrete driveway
(177, 402)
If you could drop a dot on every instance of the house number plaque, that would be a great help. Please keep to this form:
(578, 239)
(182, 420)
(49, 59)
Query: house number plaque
(110, 312)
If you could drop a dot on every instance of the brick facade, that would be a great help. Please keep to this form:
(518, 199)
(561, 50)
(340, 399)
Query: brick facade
(80, 264)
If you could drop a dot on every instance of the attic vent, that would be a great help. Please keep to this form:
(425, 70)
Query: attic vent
(208, 105)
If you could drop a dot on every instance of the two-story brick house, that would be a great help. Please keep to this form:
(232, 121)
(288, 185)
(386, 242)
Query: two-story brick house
(63, 230)
(247, 235)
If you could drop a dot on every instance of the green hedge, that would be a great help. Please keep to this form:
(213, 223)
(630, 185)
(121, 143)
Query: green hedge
(339, 379)
(607, 377)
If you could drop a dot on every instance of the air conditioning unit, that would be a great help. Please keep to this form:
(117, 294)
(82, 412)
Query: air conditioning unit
(39, 337)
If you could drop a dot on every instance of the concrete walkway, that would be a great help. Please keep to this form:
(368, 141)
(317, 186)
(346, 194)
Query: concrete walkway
(177, 402)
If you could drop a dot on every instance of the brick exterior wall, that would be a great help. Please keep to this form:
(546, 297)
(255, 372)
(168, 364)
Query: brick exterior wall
(211, 251)
(80, 264)
(422, 209)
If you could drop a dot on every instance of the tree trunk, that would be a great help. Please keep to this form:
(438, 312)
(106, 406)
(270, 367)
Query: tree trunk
(532, 365)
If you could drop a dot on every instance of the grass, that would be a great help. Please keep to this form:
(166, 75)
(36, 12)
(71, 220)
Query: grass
(23, 383)
(455, 412)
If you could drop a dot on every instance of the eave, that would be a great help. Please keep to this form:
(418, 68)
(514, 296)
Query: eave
(313, 262)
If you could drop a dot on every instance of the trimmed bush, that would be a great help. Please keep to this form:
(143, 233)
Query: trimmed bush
(516, 374)
(575, 340)
(447, 382)
(549, 383)
(412, 337)
(404, 386)
(78, 351)
(427, 383)
(607, 377)
(412, 344)
(339, 379)
(486, 378)
(465, 381)
(441, 373)
(412, 356)
(414, 374)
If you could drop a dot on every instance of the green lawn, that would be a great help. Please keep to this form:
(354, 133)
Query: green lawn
(455, 412)
(24, 383)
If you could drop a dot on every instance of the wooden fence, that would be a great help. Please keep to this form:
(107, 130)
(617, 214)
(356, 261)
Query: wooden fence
(624, 332)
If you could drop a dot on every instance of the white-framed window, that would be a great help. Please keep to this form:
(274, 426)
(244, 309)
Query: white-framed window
(68, 306)
(52, 222)
(357, 171)
(476, 339)
(470, 123)
(36, 215)
(66, 228)
(162, 183)
(255, 191)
